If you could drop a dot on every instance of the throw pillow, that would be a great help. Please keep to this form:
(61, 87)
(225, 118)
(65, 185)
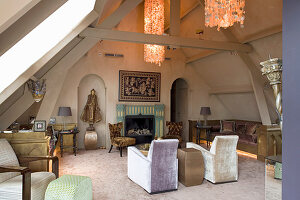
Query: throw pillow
(227, 126)
(175, 128)
(251, 130)
(241, 129)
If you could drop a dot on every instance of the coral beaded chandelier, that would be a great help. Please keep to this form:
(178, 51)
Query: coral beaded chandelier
(224, 13)
(154, 24)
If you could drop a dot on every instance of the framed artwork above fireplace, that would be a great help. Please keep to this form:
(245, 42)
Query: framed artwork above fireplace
(139, 86)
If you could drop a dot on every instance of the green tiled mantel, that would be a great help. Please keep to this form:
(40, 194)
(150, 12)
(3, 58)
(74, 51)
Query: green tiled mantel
(157, 110)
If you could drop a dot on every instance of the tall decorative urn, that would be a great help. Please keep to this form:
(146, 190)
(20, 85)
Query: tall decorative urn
(272, 68)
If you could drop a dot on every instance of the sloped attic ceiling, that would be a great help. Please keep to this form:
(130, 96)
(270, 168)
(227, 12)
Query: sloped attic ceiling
(12, 10)
(192, 14)
(33, 51)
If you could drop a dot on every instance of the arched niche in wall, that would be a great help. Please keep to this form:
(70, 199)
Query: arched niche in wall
(86, 84)
(179, 104)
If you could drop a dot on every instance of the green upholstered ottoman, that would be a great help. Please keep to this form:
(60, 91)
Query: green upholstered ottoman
(278, 170)
(70, 187)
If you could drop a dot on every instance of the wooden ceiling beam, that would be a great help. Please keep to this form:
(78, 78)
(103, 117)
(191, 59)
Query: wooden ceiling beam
(182, 16)
(175, 18)
(123, 36)
(231, 90)
(114, 19)
(262, 34)
(99, 6)
(256, 36)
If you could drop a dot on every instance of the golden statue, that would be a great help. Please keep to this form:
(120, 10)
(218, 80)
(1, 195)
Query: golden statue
(91, 112)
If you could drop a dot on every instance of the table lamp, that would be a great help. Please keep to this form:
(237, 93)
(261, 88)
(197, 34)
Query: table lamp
(65, 112)
(205, 111)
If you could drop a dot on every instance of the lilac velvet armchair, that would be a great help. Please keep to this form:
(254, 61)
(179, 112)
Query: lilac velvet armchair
(158, 172)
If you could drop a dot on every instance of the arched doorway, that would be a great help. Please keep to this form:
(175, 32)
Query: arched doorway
(179, 104)
(86, 84)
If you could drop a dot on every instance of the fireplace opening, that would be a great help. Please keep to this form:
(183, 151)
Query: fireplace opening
(141, 127)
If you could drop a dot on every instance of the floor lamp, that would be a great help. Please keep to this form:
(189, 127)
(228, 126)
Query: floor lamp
(65, 112)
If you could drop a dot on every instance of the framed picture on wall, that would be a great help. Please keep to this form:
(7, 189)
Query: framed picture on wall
(39, 126)
(139, 86)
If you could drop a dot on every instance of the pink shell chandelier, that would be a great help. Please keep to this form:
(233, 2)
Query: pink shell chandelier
(224, 13)
(154, 24)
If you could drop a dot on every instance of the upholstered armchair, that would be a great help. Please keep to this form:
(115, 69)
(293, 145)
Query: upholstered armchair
(117, 140)
(158, 171)
(18, 182)
(174, 131)
(221, 162)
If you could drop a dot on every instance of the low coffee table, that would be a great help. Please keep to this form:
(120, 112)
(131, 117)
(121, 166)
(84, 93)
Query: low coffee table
(144, 148)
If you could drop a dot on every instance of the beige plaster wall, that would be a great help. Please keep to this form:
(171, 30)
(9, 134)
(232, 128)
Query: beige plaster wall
(107, 68)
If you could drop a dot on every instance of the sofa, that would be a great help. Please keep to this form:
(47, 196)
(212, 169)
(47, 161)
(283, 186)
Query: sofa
(246, 130)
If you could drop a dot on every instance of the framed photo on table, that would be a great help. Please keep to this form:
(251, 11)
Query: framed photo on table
(39, 126)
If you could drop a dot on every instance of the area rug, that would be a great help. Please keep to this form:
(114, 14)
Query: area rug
(109, 176)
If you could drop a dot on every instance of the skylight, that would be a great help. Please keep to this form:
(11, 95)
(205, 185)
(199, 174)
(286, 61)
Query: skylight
(42, 39)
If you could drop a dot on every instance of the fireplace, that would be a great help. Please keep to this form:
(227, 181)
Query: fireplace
(157, 111)
(140, 127)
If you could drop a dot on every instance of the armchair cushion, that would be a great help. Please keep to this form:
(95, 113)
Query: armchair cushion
(115, 130)
(123, 141)
(12, 188)
(178, 137)
(7, 158)
(175, 128)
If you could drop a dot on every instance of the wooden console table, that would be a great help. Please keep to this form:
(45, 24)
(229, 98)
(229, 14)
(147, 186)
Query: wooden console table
(207, 134)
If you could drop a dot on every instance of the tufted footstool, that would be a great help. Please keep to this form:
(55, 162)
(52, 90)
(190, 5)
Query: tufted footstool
(70, 187)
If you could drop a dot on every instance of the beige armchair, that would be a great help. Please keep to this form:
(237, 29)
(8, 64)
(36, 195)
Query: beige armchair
(18, 182)
(221, 162)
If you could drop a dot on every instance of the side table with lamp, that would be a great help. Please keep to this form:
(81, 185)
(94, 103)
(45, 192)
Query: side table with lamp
(205, 111)
(66, 112)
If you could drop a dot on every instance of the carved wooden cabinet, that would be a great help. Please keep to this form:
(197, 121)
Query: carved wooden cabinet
(30, 144)
(269, 141)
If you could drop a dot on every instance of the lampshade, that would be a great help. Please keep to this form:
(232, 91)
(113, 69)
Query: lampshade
(64, 111)
(205, 111)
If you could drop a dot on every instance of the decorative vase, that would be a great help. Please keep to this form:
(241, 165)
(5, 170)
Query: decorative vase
(90, 140)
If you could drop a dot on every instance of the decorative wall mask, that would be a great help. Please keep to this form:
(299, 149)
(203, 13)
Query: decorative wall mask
(38, 89)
